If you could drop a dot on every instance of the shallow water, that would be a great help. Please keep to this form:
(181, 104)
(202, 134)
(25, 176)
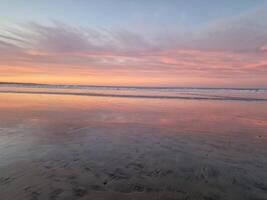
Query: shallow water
(186, 93)
(91, 147)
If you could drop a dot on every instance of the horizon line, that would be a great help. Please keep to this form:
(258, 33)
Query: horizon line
(125, 86)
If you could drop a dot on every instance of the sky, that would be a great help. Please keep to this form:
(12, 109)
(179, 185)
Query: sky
(208, 43)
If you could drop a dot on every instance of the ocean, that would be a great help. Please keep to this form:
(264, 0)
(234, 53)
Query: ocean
(115, 142)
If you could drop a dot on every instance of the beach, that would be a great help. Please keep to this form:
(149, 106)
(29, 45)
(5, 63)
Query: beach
(92, 147)
(133, 100)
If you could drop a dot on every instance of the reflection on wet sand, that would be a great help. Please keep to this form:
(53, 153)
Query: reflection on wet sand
(74, 147)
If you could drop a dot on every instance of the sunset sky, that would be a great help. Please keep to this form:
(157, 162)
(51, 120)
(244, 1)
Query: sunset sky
(207, 43)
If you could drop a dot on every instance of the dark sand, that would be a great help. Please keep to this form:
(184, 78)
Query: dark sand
(97, 148)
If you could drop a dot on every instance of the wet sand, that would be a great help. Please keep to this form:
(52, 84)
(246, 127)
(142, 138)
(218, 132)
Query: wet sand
(54, 147)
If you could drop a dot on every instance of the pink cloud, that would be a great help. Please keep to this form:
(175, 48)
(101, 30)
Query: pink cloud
(264, 48)
(228, 49)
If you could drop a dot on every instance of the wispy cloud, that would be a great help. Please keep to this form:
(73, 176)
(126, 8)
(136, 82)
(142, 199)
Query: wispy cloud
(224, 49)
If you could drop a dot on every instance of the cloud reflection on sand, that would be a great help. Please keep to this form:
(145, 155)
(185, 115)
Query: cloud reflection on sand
(123, 148)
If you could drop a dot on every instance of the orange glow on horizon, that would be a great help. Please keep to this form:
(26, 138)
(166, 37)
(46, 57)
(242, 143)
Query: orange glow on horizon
(158, 68)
